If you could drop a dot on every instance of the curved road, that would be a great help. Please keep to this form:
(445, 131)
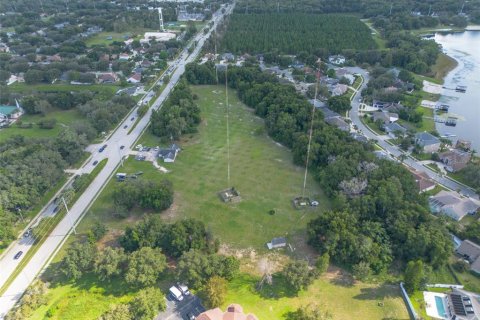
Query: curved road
(395, 151)
(120, 137)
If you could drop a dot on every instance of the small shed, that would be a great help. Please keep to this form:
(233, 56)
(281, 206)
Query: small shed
(279, 242)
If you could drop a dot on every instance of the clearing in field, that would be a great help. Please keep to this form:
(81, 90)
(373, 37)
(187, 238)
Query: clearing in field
(334, 292)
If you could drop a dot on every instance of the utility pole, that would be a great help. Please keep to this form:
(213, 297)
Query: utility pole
(66, 208)
(429, 10)
(391, 6)
(160, 20)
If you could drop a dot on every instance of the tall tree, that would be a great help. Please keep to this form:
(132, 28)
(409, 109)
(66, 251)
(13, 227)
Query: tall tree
(145, 266)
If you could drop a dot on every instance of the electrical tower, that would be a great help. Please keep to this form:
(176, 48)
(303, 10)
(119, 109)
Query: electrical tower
(160, 19)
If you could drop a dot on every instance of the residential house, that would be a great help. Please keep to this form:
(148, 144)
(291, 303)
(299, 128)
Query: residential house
(471, 252)
(10, 112)
(169, 154)
(228, 56)
(339, 89)
(339, 123)
(452, 204)
(455, 159)
(110, 77)
(123, 57)
(135, 78)
(337, 59)
(145, 64)
(427, 141)
(424, 183)
(280, 242)
(359, 137)
(234, 312)
(385, 117)
(394, 130)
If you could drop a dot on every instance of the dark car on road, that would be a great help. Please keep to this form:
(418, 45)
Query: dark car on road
(121, 147)
(132, 118)
(18, 255)
(125, 127)
(95, 162)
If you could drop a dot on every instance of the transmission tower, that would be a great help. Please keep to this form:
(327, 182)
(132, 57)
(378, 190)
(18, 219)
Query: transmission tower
(160, 20)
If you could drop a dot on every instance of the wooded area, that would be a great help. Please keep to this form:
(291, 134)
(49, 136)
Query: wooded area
(295, 32)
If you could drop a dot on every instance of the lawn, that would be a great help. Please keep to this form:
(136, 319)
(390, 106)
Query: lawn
(443, 66)
(64, 119)
(102, 91)
(334, 293)
(103, 38)
(261, 170)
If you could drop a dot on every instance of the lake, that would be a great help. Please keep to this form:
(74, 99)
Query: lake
(465, 48)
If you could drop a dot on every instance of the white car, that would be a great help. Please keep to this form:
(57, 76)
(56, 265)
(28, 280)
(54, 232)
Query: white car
(314, 203)
(184, 289)
(176, 293)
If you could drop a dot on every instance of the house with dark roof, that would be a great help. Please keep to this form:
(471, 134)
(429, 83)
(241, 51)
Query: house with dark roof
(339, 123)
(394, 130)
(471, 252)
(452, 204)
(280, 242)
(428, 142)
(169, 154)
(455, 159)
(107, 78)
(385, 117)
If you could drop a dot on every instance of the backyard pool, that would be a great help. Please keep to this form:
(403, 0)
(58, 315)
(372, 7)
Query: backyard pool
(440, 306)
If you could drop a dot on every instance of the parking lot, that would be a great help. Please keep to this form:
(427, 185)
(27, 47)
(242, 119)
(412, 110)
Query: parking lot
(178, 310)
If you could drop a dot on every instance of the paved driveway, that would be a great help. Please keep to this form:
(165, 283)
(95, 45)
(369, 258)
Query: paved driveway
(178, 310)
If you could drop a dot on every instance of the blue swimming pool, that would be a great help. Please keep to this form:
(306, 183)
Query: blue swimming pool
(440, 306)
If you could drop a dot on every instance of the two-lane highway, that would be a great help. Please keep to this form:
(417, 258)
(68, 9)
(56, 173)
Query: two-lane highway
(120, 137)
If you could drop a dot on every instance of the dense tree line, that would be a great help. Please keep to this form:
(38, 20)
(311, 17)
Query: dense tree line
(280, 32)
(445, 9)
(156, 195)
(179, 114)
(28, 169)
(378, 215)
(174, 239)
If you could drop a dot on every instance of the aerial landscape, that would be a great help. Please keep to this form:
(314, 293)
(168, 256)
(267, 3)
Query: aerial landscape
(239, 159)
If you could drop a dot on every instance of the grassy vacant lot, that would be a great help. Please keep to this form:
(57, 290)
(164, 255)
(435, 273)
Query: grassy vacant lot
(333, 292)
(102, 91)
(443, 66)
(63, 117)
(260, 169)
(104, 38)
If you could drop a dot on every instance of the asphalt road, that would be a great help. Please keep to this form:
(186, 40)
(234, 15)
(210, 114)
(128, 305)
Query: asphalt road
(58, 236)
(395, 151)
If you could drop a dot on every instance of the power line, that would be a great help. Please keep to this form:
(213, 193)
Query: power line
(310, 136)
(228, 127)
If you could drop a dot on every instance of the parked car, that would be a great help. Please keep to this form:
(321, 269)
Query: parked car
(176, 293)
(95, 162)
(190, 316)
(132, 118)
(183, 289)
(18, 255)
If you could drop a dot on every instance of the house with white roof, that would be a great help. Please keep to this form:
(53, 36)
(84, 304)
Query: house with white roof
(452, 204)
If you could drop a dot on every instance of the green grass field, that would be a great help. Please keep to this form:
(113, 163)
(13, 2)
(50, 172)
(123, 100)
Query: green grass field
(64, 119)
(343, 300)
(103, 38)
(261, 170)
